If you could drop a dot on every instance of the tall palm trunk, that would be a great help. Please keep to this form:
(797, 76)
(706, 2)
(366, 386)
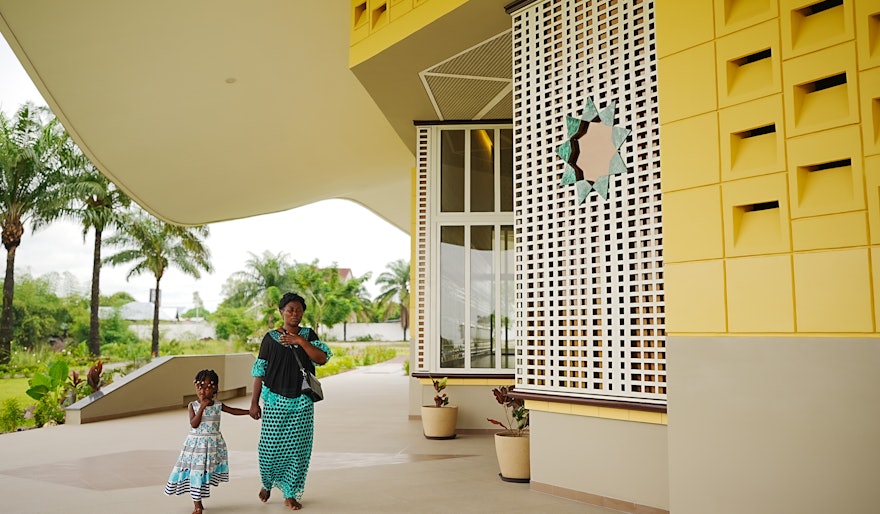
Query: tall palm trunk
(6, 315)
(155, 348)
(404, 319)
(94, 327)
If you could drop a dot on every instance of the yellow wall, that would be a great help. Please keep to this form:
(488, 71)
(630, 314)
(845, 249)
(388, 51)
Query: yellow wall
(770, 114)
(378, 24)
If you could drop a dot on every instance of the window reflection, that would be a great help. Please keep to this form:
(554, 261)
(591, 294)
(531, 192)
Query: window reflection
(482, 297)
(482, 170)
(452, 171)
(452, 288)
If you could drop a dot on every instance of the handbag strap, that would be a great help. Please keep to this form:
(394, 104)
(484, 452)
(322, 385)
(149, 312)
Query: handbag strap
(296, 356)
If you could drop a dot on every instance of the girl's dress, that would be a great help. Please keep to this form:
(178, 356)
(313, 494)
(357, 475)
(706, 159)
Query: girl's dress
(204, 460)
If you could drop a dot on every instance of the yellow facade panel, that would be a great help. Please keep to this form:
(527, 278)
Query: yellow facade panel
(875, 268)
(810, 25)
(833, 291)
(585, 410)
(611, 413)
(676, 32)
(749, 64)
(398, 8)
(821, 90)
(379, 17)
(752, 138)
(868, 32)
(686, 93)
(872, 185)
(690, 152)
(832, 231)
(733, 15)
(360, 24)
(760, 295)
(755, 216)
(825, 172)
(638, 416)
(692, 227)
(869, 102)
(695, 297)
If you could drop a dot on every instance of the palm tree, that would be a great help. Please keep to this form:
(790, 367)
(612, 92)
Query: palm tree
(395, 284)
(29, 191)
(244, 288)
(154, 246)
(98, 205)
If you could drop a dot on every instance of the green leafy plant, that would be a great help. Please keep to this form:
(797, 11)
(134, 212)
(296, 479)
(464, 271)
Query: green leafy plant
(514, 411)
(11, 415)
(440, 398)
(52, 382)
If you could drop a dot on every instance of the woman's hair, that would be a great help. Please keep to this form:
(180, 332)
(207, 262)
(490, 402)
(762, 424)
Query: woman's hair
(207, 375)
(291, 297)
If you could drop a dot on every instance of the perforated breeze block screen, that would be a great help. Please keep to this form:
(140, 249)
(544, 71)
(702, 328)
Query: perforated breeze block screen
(590, 298)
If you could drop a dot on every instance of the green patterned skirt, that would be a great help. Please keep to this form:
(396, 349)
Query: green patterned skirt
(285, 447)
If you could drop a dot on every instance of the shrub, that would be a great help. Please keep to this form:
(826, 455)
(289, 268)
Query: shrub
(11, 415)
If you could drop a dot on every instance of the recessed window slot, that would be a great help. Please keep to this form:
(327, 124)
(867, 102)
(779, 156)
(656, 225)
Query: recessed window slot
(829, 165)
(763, 206)
(359, 11)
(758, 56)
(819, 7)
(760, 131)
(379, 13)
(826, 83)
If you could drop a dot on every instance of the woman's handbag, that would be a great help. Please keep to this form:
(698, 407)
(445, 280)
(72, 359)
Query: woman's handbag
(311, 387)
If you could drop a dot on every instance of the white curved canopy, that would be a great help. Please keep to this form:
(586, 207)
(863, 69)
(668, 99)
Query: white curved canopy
(210, 110)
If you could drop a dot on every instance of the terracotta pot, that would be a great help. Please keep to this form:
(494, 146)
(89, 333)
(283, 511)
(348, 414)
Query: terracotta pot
(512, 451)
(439, 422)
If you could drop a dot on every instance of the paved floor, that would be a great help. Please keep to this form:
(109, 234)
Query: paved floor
(368, 457)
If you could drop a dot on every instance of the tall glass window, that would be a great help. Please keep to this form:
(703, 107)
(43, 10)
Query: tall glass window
(473, 227)
(452, 306)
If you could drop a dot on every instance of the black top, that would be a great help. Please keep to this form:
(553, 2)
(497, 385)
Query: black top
(283, 374)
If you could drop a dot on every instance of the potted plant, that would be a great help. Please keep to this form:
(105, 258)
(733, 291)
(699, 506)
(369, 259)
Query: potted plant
(438, 420)
(512, 443)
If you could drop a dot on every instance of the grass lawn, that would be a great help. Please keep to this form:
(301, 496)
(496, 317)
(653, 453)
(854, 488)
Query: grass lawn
(15, 388)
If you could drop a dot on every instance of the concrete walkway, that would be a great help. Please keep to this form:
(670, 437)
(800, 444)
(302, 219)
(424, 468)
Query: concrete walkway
(368, 457)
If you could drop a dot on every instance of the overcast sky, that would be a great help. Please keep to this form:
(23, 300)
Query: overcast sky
(348, 234)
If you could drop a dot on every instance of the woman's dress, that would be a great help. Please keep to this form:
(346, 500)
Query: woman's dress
(204, 460)
(285, 447)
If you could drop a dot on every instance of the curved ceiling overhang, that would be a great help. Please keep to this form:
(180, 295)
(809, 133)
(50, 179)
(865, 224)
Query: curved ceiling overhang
(206, 111)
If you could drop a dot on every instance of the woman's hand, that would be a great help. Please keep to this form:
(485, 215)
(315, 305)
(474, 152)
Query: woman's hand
(255, 411)
(291, 339)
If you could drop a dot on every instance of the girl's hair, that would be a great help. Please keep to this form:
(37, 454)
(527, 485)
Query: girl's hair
(207, 375)
(291, 297)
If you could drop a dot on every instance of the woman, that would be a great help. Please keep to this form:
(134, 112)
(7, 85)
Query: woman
(285, 446)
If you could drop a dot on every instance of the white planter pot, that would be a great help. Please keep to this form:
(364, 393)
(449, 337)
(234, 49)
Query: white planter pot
(439, 422)
(513, 456)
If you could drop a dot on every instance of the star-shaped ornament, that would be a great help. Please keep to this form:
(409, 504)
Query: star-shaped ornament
(591, 151)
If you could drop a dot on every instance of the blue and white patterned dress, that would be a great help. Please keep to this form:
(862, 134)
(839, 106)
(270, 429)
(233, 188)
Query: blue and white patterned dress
(204, 460)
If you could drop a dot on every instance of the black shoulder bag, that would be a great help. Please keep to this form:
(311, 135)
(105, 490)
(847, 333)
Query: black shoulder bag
(311, 387)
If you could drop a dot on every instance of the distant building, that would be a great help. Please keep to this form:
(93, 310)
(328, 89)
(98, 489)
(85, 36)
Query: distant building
(139, 311)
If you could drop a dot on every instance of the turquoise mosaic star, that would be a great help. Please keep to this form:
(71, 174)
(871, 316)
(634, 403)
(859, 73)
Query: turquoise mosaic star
(591, 151)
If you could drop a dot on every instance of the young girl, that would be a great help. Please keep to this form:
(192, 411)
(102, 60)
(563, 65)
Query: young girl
(204, 461)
